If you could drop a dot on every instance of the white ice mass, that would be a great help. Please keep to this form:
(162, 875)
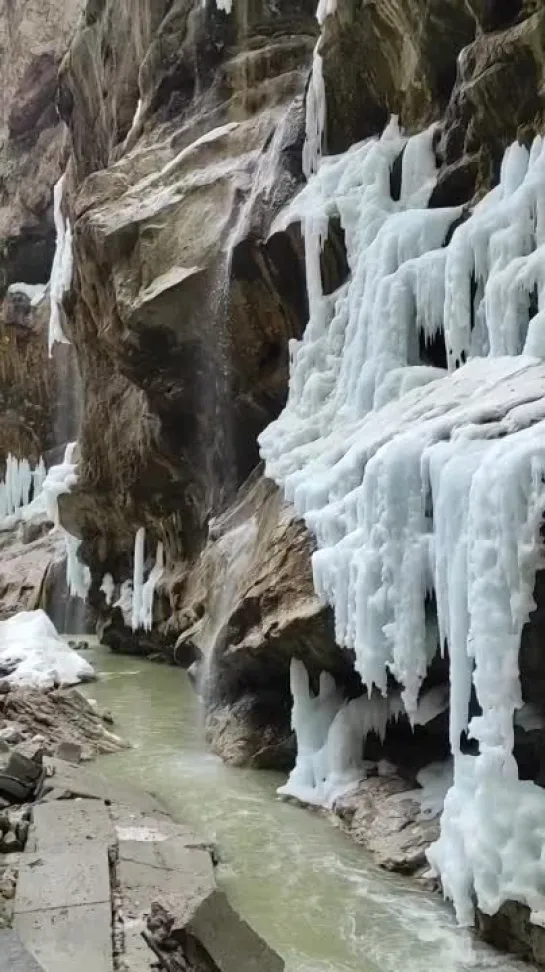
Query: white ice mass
(136, 598)
(423, 483)
(33, 654)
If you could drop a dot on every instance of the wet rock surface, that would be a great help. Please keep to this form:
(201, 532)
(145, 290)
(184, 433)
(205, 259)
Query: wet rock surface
(383, 815)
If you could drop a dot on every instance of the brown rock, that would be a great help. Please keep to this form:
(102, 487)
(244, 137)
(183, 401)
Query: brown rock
(377, 815)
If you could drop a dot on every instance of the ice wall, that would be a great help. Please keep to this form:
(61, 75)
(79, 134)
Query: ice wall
(417, 480)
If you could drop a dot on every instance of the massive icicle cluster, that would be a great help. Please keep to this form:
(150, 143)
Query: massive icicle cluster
(420, 481)
(20, 482)
(144, 592)
(331, 734)
(136, 597)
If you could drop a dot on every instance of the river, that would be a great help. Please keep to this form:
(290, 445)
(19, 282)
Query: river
(313, 894)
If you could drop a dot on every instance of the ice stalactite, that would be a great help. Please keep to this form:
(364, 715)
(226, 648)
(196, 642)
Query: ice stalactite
(142, 593)
(315, 114)
(148, 590)
(138, 577)
(315, 106)
(331, 734)
(62, 269)
(417, 480)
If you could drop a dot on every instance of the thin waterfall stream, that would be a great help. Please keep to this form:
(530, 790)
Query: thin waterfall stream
(312, 893)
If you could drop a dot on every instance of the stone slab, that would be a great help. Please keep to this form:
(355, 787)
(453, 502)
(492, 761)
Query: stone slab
(69, 939)
(169, 854)
(229, 940)
(180, 891)
(14, 957)
(165, 871)
(140, 826)
(63, 878)
(78, 781)
(69, 823)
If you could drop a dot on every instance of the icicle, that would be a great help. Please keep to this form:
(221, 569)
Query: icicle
(78, 575)
(138, 577)
(148, 590)
(315, 116)
(61, 271)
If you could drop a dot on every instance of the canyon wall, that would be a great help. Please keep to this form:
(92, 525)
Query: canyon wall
(180, 126)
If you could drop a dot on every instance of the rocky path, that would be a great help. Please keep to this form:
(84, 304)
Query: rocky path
(109, 883)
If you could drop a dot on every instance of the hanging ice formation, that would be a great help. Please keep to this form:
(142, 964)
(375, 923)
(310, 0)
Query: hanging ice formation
(417, 480)
(315, 106)
(20, 482)
(61, 271)
(331, 734)
(141, 593)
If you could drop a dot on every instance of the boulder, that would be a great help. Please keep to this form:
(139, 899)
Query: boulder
(382, 814)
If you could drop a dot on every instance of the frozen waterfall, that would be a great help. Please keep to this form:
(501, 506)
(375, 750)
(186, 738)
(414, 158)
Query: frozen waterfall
(419, 480)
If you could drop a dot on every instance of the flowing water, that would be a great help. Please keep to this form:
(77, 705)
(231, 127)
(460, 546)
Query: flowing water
(313, 894)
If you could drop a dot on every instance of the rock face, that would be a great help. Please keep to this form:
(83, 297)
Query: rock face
(33, 38)
(181, 310)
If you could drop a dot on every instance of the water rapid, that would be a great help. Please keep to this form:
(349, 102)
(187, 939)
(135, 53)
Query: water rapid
(312, 893)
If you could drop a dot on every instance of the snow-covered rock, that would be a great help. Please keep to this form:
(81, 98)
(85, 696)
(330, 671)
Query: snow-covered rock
(33, 654)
